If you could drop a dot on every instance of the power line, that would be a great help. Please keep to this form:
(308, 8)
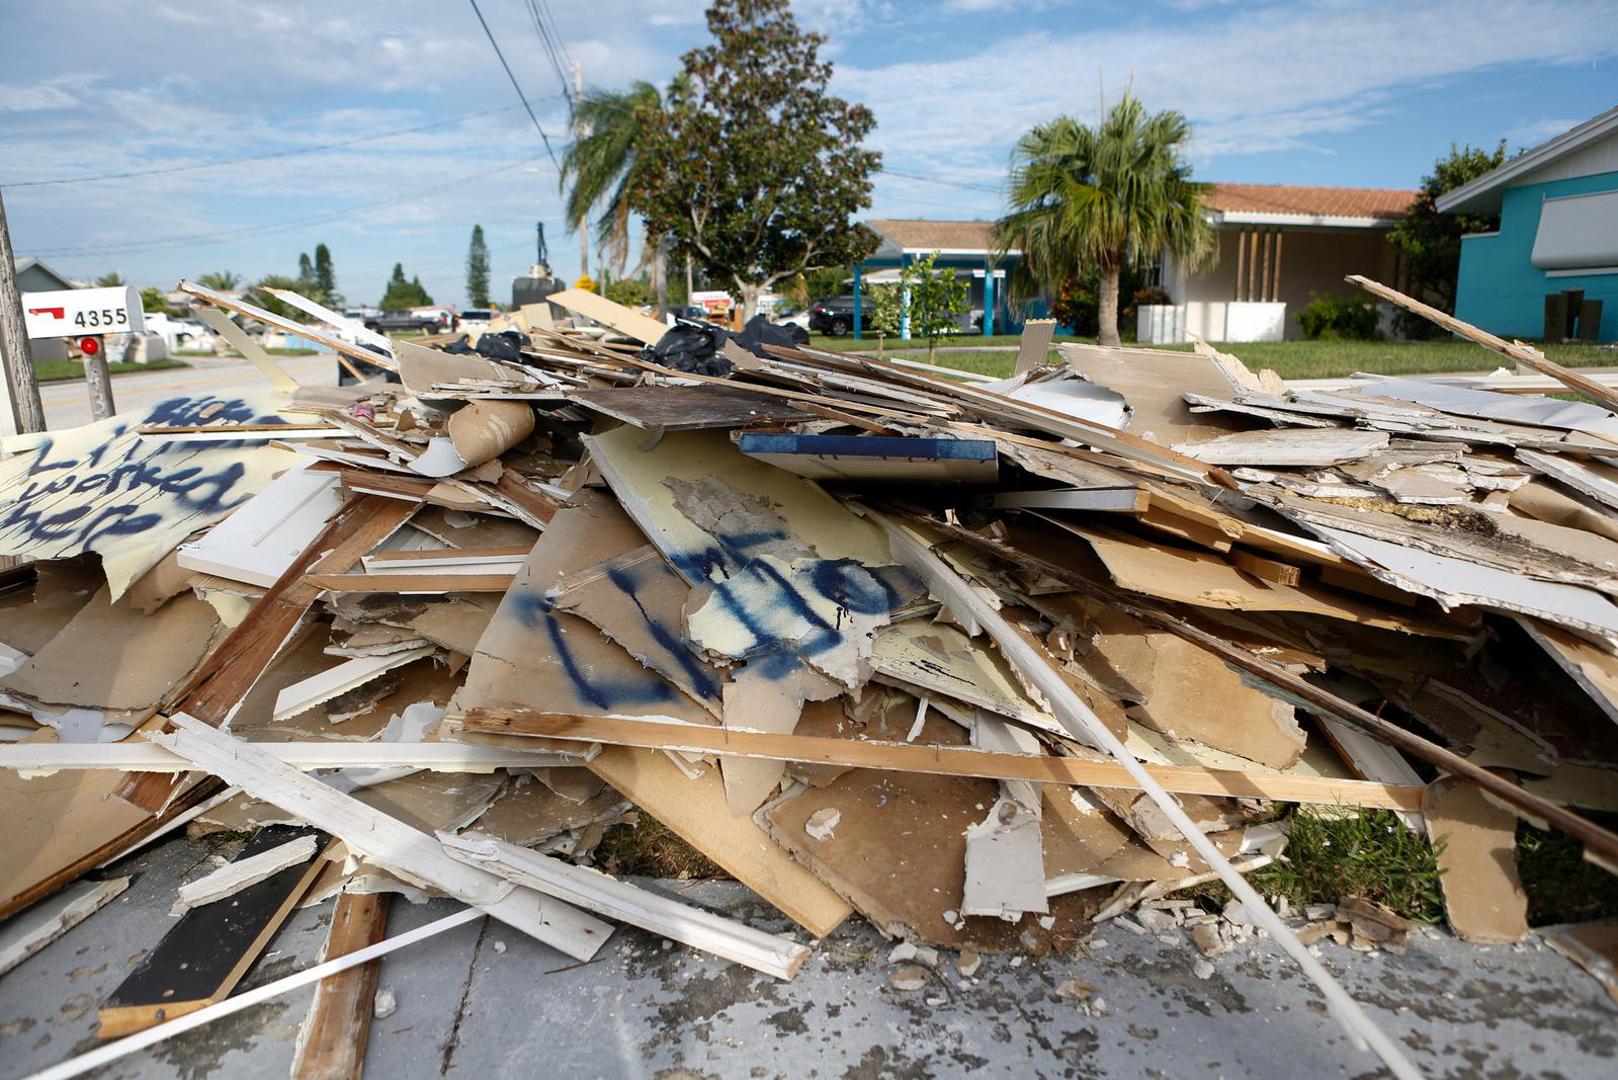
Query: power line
(550, 40)
(223, 236)
(133, 174)
(514, 84)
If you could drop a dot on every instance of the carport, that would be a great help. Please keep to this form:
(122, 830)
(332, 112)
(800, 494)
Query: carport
(966, 246)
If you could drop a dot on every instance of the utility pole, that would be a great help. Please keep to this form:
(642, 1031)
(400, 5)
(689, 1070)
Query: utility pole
(20, 407)
(579, 133)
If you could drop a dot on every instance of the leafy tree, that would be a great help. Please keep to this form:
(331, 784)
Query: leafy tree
(220, 281)
(630, 292)
(155, 301)
(306, 269)
(110, 281)
(937, 299)
(401, 294)
(756, 171)
(326, 277)
(1429, 243)
(881, 308)
(477, 270)
(1105, 196)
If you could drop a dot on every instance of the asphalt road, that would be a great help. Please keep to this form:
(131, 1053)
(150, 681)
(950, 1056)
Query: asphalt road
(67, 404)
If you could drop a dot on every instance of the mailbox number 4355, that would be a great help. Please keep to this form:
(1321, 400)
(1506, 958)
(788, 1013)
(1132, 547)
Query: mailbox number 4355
(104, 317)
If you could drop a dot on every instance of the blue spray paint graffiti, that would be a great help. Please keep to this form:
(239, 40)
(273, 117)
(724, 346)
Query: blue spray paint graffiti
(535, 612)
(68, 501)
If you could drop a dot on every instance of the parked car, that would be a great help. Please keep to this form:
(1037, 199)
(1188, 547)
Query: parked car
(832, 315)
(799, 319)
(475, 321)
(688, 312)
(401, 320)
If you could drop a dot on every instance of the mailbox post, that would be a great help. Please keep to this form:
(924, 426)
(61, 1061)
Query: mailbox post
(88, 315)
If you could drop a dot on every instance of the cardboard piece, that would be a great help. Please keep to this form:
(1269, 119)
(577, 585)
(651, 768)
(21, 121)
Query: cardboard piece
(1476, 845)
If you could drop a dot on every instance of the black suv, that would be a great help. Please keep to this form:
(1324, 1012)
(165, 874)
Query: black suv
(832, 315)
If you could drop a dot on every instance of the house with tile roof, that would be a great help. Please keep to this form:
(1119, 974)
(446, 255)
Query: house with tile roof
(1278, 245)
(1551, 269)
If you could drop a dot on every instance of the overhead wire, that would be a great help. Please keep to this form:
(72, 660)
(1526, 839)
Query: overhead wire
(514, 84)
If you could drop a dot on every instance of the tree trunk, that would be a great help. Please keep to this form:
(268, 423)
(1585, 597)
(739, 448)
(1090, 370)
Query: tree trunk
(660, 271)
(1107, 302)
(750, 295)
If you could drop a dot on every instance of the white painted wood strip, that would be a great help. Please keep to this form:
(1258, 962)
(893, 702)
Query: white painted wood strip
(42, 759)
(390, 843)
(268, 532)
(338, 680)
(233, 877)
(594, 891)
(25, 934)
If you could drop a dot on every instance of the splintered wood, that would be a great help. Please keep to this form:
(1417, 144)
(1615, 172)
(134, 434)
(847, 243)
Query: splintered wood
(980, 660)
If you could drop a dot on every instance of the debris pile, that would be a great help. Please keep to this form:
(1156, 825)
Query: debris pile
(987, 661)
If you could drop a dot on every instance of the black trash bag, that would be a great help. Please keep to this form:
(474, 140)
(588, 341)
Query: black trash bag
(760, 331)
(690, 347)
(459, 347)
(506, 345)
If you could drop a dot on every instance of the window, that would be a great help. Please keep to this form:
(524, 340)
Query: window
(1578, 232)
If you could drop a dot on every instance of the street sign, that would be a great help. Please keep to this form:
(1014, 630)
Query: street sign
(77, 312)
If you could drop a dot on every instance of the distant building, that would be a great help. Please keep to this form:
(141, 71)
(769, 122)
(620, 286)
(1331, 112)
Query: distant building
(35, 276)
(1278, 247)
(1558, 207)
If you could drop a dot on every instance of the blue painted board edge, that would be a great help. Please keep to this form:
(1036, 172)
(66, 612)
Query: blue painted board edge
(880, 446)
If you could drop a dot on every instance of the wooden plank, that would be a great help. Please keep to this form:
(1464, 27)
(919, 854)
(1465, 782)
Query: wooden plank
(1265, 569)
(331, 1044)
(631, 324)
(409, 583)
(287, 326)
(268, 532)
(237, 339)
(685, 408)
(1517, 351)
(384, 840)
(43, 758)
(233, 877)
(942, 760)
(216, 687)
(697, 812)
(204, 955)
(341, 678)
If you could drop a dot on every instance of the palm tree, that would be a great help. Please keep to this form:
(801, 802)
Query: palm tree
(602, 168)
(1098, 196)
(220, 281)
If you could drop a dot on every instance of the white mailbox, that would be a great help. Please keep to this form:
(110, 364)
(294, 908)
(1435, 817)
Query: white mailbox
(82, 312)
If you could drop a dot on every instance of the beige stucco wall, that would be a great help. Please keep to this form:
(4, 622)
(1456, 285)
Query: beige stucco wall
(1312, 261)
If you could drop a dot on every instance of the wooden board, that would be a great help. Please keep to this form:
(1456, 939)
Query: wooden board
(205, 954)
(614, 316)
(943, 760)
(685, 408)
(697, 812)
(331, 1045)
(262, 538)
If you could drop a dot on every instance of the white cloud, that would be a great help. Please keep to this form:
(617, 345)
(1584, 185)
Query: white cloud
(1531, 134)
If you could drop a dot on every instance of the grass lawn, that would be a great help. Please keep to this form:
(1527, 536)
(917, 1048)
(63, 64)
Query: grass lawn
(1322, 359)
(64, 370)
(868, 343)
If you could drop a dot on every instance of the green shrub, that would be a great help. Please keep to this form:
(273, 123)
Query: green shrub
(1338, 317)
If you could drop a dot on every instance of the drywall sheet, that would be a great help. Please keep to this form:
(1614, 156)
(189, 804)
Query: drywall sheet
(1488, 405)
(1153, 382)
(103, 488)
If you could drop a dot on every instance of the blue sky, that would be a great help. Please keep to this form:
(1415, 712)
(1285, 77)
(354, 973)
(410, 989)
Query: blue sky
(1311, 91)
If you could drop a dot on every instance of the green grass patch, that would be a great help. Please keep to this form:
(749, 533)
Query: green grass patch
(1561, 886)
(67, 370)
(846, 343)
(650, 849)
(1370, 854)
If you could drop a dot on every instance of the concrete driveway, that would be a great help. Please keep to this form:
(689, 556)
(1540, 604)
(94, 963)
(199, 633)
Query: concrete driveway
(67, 404)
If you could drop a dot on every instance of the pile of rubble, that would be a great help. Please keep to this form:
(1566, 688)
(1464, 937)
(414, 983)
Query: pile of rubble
(986, 661)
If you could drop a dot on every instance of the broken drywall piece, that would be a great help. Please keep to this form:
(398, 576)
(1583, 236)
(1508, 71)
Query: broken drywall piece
(478, 433)
(1005, 863)
(636, 600)
(1592, 945)
(233, 877)
(1476, 846)
(766, 695)
(1287, 446)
